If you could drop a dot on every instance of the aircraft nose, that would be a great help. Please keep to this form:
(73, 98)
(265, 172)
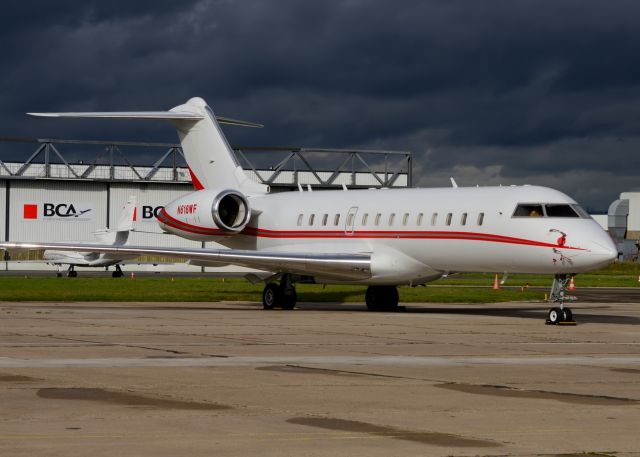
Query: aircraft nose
(605, 249)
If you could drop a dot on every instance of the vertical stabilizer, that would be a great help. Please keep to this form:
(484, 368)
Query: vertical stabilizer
(210, 158)
(120, 234)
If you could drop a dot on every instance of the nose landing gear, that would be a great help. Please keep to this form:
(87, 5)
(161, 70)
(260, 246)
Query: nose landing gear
(560, 315)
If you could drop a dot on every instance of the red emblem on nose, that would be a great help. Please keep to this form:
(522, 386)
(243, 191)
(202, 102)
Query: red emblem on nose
(562, 240)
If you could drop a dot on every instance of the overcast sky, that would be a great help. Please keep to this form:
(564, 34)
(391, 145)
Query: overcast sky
(491, 92)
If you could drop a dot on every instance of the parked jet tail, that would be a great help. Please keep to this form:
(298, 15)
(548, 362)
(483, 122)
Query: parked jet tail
(211, 161)
(120, 234)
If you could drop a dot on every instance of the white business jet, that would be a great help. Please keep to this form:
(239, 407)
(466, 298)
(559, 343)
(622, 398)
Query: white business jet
(380, 238)
(112, 237)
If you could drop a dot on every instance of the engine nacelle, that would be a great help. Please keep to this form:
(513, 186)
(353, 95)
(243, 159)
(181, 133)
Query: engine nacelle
(206, 214)
(230, 211)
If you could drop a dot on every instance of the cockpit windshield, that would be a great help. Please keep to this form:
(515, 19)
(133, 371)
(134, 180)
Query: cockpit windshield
(549, 210)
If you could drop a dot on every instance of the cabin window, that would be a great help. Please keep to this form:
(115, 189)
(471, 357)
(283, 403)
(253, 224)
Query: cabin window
(377, 221)
(560, 211)
(405, 219)
(336, 220)
(419, 221)
(449, 217)
(311, 218)
(325, 218)
(300, 219)
(392, 216)
(434, 218)
(365, 216)
(350, 220)
(463, 219)
(480, 218)
(528, 210)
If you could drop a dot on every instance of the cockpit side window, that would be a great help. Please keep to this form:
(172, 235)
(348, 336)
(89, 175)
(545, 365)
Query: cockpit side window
(581, 212)
(550, 210)
(560, 210)
(528, 210)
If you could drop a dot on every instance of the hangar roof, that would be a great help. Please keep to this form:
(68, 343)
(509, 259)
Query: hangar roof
(284, 167)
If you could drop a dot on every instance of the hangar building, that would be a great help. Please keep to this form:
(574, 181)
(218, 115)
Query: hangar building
(49, 197)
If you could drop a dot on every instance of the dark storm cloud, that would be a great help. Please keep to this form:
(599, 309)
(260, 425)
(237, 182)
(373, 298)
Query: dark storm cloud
(494, 91)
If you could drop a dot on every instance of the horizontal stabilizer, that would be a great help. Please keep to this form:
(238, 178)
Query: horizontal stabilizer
(149, 115)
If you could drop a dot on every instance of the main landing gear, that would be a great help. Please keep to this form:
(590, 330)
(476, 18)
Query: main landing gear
(560, 315)
(281, 295)
(71, 272)
(117, 273)
(382, 298)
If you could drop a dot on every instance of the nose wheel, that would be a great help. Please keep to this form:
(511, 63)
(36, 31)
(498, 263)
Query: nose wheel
(560, 315)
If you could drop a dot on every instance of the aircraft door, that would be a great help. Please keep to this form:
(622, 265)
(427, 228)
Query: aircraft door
(350, 220)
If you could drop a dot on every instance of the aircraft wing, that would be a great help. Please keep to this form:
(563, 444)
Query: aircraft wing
(337, 266)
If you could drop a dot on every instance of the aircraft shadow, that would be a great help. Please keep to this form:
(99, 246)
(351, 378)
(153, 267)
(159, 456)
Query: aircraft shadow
(528, 312)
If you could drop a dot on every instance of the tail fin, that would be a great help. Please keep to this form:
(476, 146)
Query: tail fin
(120, 234)
(127, 215)
(210, 158)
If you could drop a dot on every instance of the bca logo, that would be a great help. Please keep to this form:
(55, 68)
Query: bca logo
(149, 212)
(55, 211)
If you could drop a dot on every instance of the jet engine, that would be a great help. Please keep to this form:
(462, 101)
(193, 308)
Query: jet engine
(230, 211)
(206, 214)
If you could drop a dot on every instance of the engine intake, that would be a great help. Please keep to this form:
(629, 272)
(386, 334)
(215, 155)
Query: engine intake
(230, 211)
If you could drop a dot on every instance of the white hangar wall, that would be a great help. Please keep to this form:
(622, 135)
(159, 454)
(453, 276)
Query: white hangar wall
(71, 210)
(44, 210)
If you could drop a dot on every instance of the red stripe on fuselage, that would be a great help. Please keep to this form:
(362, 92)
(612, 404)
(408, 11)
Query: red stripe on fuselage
(165, 218)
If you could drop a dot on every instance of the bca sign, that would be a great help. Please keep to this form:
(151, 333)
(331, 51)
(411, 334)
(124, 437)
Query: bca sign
(149, 213)
(71, 212)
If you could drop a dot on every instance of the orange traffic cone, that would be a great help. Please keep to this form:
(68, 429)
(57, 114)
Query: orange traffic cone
(133, 275)
(496, 284)
(572, 285)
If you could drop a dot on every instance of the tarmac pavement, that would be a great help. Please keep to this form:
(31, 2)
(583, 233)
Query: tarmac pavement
(205, 379)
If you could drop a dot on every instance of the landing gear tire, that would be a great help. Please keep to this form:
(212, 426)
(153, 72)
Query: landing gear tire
(289, 299)
(382, 298)
(72, 274)
(555, 315)
(271, 296)
(117, 272)
(567, 315)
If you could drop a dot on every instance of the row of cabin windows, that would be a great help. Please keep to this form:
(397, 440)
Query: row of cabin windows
(378, 218)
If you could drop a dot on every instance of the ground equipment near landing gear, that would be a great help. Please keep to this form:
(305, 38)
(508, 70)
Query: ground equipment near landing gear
(280, 295)
(560, 315)
(118, 273)
(382, 298)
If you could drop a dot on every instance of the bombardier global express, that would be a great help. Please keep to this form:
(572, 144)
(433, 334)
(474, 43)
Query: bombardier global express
(380, 238)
